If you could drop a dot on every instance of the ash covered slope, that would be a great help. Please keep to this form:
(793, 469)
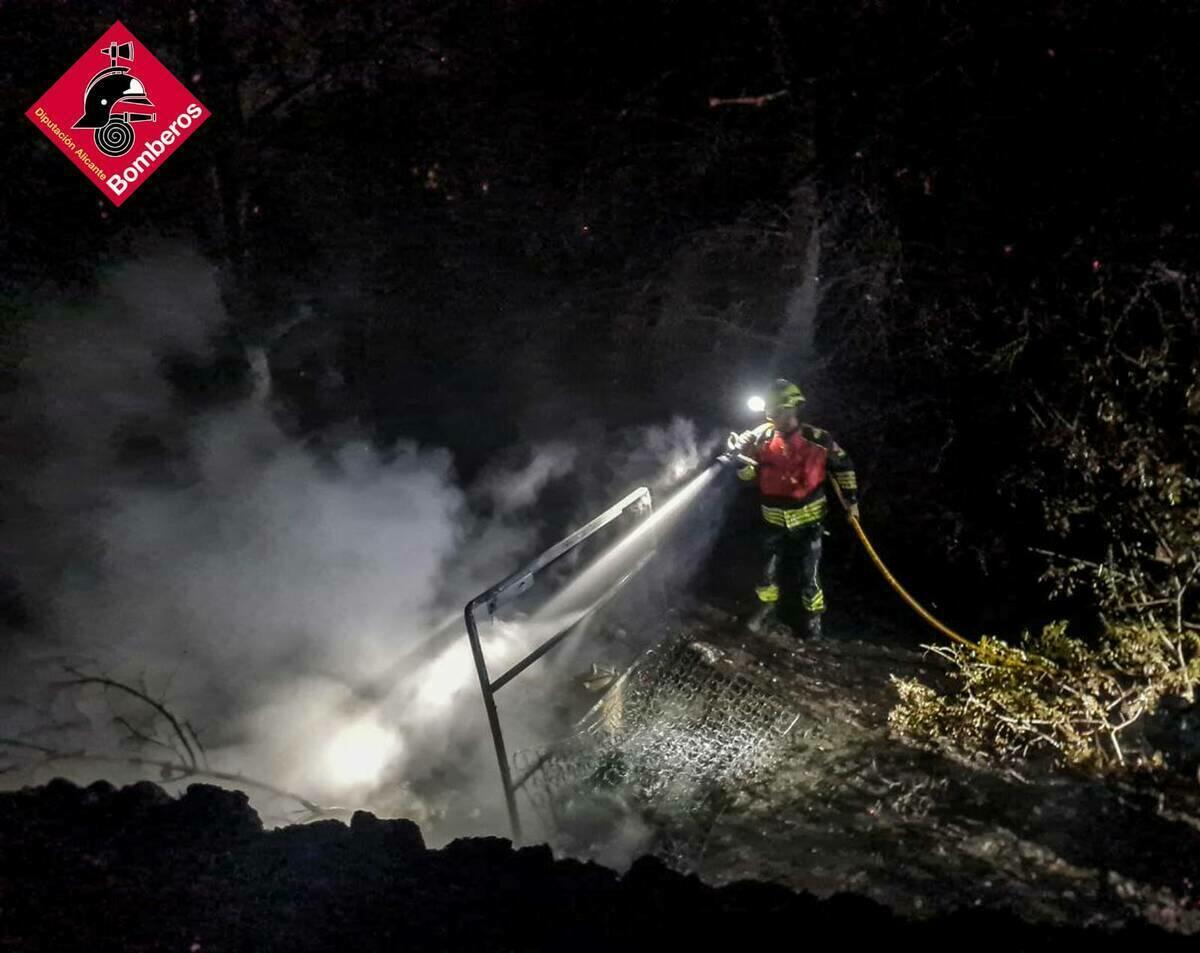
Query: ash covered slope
(135, 869)
(849, 806)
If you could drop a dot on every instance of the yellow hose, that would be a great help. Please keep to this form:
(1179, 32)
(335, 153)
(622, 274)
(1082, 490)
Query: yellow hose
(992, 655)
(903, 593)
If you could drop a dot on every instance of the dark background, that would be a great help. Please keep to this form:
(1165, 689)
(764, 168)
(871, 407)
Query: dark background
(483, 224)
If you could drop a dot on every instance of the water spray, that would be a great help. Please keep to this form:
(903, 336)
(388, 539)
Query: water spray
(359, 749)
(642, 540)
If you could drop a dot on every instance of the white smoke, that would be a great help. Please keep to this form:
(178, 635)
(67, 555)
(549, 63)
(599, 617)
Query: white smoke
(678, 450)
(253, 585)
(515, 490)
(301, 611)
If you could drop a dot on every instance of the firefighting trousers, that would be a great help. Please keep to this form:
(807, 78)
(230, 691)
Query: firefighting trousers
(792, 562)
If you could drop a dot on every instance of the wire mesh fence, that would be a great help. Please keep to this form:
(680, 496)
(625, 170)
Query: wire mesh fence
(670, 742)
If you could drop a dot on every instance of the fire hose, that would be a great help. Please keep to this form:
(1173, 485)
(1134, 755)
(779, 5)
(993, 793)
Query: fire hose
(732, 456)
(895, 584)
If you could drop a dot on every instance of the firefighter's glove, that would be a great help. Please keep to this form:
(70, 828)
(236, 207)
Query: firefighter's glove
(852, 511)
(734, 443)
(748, 472)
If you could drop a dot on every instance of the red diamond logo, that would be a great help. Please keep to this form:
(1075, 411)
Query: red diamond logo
(118, 114)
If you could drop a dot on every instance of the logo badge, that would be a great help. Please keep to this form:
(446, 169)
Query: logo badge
(117, 114)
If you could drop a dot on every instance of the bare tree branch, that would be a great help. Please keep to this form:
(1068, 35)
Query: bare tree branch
(173, 771)
(82, 679)
(755, 101)
(143, 737)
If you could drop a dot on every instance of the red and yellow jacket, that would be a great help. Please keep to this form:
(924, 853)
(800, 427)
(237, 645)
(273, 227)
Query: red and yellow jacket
(791, 471)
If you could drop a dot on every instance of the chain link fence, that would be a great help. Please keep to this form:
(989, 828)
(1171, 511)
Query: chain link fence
(669, 743)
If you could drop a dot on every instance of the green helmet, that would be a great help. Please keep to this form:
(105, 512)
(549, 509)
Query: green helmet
(784, 394)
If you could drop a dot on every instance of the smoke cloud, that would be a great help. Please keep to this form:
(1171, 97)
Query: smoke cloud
(300, 609)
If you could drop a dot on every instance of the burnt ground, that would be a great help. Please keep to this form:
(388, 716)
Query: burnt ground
(136, 869)
(849, 835)
(850, 807)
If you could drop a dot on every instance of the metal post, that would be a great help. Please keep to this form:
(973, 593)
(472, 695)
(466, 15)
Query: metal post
(510, 588)
(489, 703)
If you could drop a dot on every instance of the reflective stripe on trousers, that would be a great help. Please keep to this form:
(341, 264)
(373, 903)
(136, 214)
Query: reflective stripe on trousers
(793, 558)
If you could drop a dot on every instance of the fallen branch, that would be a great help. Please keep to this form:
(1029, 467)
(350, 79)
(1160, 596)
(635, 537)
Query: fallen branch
(756, 101)
(191, 760)
(82, 679)
(171, 771)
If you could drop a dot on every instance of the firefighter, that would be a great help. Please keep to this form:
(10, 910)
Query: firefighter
(791, 462)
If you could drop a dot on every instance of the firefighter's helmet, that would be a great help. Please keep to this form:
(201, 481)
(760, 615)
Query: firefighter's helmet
(107, 88)
(784, 395)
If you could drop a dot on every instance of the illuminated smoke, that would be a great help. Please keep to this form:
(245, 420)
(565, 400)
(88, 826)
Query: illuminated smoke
(358, 754)
(296, 610)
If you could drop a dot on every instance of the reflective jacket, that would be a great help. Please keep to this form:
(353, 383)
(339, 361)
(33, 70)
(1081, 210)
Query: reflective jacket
(791, 470)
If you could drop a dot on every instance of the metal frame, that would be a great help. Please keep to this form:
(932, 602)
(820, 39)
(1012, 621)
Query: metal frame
(507, 590)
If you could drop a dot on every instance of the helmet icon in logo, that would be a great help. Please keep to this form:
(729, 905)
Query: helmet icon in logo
(112, 87)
